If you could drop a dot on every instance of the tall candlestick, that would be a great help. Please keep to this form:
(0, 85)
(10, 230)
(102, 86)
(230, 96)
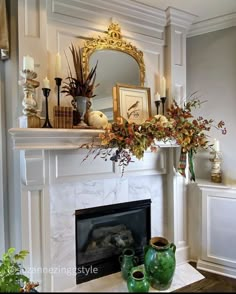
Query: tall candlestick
(163, 87)
(46, 83)
(163, 100)
(30, 119)
(157, 103)
(58, 66)
(46, 92)
(58, 83)
(28, 63)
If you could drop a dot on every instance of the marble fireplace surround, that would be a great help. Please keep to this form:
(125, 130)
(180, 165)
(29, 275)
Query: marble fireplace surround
(55, 184)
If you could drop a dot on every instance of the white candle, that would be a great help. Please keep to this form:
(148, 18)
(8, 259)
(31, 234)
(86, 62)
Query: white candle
(58, 66)
(216, 145)
(163, 87)
(157, 97)
(28, 63)
(46, 83)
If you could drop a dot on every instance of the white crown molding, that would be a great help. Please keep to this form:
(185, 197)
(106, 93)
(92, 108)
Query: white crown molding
(133, 17)
(179, 18)
(213, 24)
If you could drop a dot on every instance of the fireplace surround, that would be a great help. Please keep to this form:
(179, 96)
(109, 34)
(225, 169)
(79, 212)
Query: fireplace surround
(103, 232)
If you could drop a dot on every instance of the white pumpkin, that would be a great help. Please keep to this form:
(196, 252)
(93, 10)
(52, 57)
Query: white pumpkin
(161, 119)
(97, 119)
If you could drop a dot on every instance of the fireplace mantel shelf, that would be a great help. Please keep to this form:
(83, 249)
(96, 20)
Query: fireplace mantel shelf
(58, 139)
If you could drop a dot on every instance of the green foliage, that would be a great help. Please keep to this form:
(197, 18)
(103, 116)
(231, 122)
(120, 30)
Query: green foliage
(179, 125)
(11, 277)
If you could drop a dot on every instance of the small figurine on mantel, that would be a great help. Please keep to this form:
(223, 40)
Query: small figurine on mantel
(216, 160)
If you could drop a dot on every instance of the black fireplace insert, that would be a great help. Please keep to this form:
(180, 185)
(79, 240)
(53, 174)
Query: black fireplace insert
(103, 232)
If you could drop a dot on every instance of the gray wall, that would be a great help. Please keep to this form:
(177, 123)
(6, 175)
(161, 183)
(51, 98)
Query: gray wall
(211, 70)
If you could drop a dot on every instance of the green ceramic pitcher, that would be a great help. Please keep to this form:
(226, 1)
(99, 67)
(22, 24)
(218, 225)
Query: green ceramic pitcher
(127, 261)
(159, 261)
(137, 280)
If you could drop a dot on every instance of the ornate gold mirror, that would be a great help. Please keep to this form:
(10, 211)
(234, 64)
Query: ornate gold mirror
(118, 62)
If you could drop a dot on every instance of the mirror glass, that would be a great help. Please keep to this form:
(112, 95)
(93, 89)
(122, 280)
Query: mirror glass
(113, 67)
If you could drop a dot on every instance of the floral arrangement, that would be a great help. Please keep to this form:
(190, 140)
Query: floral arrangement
(82, 83)
(179, 125)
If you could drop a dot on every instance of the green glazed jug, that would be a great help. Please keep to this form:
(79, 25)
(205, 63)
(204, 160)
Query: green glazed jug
(127, 261)
(137, 280)
(159, 261)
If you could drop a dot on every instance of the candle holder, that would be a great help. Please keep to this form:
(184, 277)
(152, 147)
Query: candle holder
(158, 103)
(30, 119)
(163, 100)
(46, 93)
(216, 160)
(58, 83)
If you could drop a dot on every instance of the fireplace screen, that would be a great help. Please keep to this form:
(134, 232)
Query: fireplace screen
(102, 233)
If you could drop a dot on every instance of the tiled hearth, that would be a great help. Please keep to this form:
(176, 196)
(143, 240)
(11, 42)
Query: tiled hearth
(184, 275)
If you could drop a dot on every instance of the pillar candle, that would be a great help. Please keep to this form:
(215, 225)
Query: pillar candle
(58, 66)
(216, 145)
(157, 97)
(163, 87)
(28, 63)
(46, 83)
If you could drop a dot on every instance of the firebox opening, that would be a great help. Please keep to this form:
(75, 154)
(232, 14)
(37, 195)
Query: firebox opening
(102, 233)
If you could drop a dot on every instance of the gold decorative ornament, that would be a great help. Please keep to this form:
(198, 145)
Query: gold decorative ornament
(113, 41)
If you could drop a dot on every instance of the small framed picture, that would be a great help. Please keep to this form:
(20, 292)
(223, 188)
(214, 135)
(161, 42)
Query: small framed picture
(132, 103)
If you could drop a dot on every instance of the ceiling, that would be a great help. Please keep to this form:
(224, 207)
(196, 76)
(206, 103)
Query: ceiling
(204, 9)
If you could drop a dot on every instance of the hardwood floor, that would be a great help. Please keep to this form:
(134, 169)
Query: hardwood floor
(212, 283)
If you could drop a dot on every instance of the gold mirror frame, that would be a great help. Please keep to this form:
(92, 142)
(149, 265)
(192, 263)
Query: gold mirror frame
(113, 41)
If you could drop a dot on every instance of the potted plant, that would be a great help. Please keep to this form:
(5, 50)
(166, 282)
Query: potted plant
(80, 84)
(11, 277)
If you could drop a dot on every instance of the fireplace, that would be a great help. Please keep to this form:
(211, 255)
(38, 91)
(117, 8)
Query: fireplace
(103, 232)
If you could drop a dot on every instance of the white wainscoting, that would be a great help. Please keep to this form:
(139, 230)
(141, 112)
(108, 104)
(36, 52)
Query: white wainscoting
(213, 234)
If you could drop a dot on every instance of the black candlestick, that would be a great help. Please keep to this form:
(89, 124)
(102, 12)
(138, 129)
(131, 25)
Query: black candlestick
(157, 103)
(47, 123)
(163, 100)
(58, 83)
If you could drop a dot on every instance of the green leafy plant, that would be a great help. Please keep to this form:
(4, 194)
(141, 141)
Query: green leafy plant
(12, 278)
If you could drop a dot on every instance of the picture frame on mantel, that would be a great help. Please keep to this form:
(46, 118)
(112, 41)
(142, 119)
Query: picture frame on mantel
(133, 103)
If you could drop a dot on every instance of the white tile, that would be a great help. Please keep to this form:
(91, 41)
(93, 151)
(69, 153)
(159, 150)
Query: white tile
(184, 275)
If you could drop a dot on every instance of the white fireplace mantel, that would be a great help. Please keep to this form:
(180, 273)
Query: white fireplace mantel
(55, 181)
(59, 139)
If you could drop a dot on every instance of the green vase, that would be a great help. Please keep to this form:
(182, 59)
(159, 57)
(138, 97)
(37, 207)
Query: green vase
(159, 261)
(137, 280)
(128, 260)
